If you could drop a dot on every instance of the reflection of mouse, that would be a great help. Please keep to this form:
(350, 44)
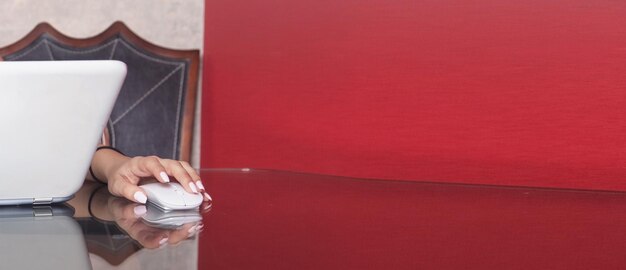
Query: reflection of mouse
(171, 196)
(154, 217)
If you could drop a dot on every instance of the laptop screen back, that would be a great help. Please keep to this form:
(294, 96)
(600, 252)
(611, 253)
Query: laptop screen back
(52, 114)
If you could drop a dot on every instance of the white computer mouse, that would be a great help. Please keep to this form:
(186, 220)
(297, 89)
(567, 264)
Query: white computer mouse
(171, 196)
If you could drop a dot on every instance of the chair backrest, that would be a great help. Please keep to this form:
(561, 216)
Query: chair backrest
(154, 113)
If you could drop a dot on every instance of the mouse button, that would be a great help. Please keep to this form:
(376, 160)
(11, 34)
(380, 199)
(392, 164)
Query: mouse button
(193, 199)
(167, 199)
(157, 188)
(163, 195)
(179, 189)
(173, 199)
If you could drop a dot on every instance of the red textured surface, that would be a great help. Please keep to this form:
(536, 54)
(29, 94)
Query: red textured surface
(277, 220)
(516, 92)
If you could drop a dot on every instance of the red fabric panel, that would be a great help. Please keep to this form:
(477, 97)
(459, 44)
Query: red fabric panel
(515, 92)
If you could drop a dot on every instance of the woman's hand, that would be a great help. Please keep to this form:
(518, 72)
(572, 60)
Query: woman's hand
(91, 200)
(124, 174)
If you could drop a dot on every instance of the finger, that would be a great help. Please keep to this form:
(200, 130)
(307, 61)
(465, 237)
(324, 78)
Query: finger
(127, 217)
(194, 175)
(182, 233)
(152, 166)
(122, 208)
(148, 166)
(134, 211)
(128, 190)
(196, 178)
(147, 236)
(174, 168)
(206, 206)
(206, 197)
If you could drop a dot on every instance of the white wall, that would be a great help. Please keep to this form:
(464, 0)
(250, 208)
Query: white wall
(169, 23)
(176, 24)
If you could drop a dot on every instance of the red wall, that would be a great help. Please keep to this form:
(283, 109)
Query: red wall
(518, 92)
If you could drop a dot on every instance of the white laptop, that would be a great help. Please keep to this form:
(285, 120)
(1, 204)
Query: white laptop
(52, 114)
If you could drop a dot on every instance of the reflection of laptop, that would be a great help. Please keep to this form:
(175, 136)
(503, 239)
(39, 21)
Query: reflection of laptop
(41, 237)
(52, 115)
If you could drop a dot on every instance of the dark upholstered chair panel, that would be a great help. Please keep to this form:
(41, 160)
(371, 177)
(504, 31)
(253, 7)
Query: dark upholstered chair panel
(154, 112)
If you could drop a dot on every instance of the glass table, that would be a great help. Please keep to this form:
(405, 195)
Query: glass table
(263, 219)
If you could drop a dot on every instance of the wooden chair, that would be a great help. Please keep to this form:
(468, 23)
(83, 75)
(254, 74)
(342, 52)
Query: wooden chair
(154, 113)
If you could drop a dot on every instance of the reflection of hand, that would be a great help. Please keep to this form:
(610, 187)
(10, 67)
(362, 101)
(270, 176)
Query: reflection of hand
(124, 178)
(127, 215)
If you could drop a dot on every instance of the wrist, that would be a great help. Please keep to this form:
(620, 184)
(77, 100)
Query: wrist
(106, 162)
(112, 165)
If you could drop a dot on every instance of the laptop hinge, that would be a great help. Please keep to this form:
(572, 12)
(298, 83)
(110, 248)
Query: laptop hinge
(42, 200)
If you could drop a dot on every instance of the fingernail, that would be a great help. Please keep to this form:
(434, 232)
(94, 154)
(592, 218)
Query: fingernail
(164, 176)
(163, 241)
(206, 195)
(140, 210)
(199, 184)
(193, 187)
(140, 197)
(192, 231)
